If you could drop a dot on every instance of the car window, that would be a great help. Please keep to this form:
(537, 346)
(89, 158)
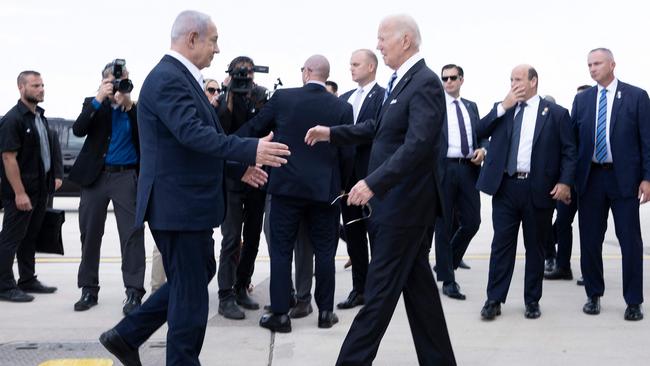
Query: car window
(74, 142)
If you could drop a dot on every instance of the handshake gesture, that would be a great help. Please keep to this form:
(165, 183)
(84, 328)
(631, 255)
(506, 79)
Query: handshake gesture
(269, 153)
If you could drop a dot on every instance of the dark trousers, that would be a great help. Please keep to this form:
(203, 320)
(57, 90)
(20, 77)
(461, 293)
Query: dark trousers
(18, 239)
(182, 302)
(357, 243)
(119, 187)
(321, 220)
(399, 264)
(244, 216)
(513, 205)
(594, 204)
(562, 232)
(463, 202)
(303, 257)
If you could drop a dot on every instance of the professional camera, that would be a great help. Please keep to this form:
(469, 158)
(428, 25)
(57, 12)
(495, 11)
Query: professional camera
(122, 85)
(240, 79)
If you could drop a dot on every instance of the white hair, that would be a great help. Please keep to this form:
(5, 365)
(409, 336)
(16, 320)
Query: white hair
(405, 24)
(190, 21)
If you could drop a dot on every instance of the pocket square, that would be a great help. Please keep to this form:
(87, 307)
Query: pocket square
(393, 101)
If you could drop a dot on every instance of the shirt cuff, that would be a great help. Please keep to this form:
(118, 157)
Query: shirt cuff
(500, 110)
(95, 103)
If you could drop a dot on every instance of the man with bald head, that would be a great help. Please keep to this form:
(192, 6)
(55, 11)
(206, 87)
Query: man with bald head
(531, 164)
(304, 189)
(402, 188)
(181, 195)
(366, 101)
(612, 120)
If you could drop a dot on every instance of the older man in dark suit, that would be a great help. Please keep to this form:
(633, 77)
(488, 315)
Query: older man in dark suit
(403, 190)
(530, 165)
(304, 188)
(612, 121)
(180, 192)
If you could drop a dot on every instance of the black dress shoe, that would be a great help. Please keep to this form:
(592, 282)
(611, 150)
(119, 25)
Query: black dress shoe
(326, 319)
(633, 313)
(243, 300)
(133, 301)
(276, 322)
(229, 309)
(532, 310)
(86, 302)
(580, 282)
(353, 300)
(549, 265)
(491, 310)
(36, 287)
(452, 290)
(115, 344)
(592, 307)
(463, 265)
(15, 295)
(559, 274)
(301, 310)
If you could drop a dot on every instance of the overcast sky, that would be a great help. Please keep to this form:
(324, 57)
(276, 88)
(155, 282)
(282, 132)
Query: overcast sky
(69, 42)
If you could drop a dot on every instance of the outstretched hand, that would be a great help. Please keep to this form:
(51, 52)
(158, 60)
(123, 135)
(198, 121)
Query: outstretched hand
(271, 153)
(317, 134)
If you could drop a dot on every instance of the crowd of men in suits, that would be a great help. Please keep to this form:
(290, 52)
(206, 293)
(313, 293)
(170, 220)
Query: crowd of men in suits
(399, 165)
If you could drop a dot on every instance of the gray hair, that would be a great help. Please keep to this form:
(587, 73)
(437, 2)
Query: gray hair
(607, 52)
(319, 66)
(190, 21)
(405, 24)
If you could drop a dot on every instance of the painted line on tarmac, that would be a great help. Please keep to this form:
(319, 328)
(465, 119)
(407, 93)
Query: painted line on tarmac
(266, 258)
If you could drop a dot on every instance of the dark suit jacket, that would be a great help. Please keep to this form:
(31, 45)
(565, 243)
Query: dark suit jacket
(369, 110)
(472, 110)
(406, 140)
(97, 125)
(553, 159)
(315, 173)
(629, 136)
(183, 151)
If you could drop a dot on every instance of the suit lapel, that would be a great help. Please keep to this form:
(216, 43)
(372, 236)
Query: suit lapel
(399, 87)
(542, 116)
(473, 120)
(616, 105)
(368, 100)
(591, 113)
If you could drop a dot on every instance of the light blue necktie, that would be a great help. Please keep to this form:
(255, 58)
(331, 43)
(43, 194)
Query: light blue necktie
(601, 128)
(390, 85)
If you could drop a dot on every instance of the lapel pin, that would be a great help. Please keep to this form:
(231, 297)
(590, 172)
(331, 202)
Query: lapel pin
(545, 111)
(618, 95)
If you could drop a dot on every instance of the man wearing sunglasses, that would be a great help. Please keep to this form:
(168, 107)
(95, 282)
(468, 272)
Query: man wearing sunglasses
(459, 164)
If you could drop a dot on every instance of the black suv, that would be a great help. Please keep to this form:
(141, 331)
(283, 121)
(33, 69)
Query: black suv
(70, 147)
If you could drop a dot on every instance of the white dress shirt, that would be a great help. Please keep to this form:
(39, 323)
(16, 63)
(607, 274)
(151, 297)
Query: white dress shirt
(406, 66)
(366, 90)
(453, 130)
(525, 151)
(196, 73)
(611, 94)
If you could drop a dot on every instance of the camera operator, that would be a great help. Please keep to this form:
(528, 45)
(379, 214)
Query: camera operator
(107, 170)
(240, 101)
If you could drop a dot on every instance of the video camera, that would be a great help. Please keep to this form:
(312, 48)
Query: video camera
(119, 84)
(240, 79)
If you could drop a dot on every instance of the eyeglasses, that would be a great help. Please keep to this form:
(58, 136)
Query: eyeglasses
(212, 90)
(453, 78)
(366, 210)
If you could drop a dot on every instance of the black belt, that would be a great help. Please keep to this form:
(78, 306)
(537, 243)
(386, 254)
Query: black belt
(459, 160)
(119, 168)
(517, 175)
(604, 166)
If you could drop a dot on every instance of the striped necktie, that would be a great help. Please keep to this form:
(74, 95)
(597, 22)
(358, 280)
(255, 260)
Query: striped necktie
(390, 85)
(601, 128)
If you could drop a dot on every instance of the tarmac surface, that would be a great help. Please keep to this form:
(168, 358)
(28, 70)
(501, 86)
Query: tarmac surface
(48, 329)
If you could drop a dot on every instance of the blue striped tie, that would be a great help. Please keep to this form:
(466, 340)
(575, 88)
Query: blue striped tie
(601, 128)
(390, 85)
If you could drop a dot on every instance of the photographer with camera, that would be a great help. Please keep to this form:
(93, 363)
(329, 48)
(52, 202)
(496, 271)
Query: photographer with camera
(107, 170)
(239, 101)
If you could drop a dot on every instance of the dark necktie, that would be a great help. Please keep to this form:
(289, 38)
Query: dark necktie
(390, 85)
(464, 146)
(511, 166)
(601, 128)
